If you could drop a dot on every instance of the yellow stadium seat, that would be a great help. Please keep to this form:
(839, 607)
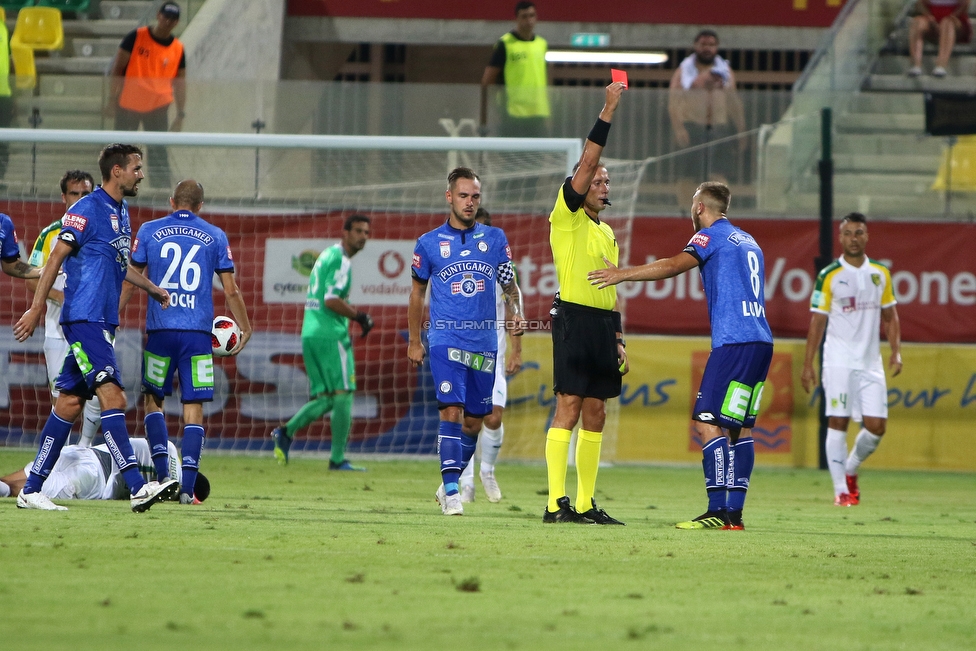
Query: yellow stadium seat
(38, 28)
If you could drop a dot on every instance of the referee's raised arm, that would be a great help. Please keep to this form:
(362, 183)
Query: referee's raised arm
(597, 139)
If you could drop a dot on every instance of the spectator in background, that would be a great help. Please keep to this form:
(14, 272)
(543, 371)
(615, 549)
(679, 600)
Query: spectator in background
(704, 106)
(943, 21)
(519, 60)
(6, 98)
(149, 72)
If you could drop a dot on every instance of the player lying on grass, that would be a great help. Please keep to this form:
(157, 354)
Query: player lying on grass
(84, 473)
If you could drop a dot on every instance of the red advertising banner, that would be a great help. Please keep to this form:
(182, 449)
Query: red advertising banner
(932, 271)
(784, 13)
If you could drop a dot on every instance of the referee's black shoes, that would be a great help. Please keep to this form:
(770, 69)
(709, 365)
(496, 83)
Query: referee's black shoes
(565, 513)
(599, 516)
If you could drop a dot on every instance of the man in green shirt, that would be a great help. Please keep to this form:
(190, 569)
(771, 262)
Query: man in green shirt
(326, 346)
(519, 60)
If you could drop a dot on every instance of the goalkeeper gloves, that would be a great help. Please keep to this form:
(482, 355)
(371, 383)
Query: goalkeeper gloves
(365, 322)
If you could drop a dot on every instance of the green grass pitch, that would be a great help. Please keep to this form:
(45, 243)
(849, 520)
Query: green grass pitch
(299, 558)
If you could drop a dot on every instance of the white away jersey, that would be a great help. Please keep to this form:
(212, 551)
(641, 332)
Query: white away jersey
(852, 298)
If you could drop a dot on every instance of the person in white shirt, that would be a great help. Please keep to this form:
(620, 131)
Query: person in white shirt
(87, 473)
(852, 299)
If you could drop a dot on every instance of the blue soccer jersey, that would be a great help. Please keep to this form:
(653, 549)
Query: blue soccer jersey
(182, 252)
(733, 273)
(463, 269)
(97, 228)
(9, 251)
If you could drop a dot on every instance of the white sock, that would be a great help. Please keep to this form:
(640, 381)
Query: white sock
(864, 445)
(467, 475)
(491, 442)
(90, 422)
(4, 490)
(836, 448)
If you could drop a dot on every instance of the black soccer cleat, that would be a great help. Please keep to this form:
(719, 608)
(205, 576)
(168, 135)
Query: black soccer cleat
(599, 516)
(565, 514)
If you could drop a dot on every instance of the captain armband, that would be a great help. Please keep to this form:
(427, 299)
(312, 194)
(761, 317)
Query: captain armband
(506, 273)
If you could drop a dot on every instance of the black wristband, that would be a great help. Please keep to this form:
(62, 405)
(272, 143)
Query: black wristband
(617, 322)
(599, 133)
(621, 342)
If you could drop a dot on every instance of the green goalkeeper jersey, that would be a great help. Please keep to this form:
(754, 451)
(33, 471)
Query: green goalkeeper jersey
(331, 278)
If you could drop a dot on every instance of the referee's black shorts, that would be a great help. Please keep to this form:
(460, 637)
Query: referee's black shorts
(584, 351)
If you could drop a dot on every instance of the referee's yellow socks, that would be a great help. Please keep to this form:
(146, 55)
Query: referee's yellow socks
(557, 458)
(588, 446)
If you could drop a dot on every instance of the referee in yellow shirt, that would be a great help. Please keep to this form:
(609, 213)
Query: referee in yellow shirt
(588, 351)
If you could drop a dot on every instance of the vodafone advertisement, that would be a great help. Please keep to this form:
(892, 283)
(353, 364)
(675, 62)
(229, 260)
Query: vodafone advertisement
(932, 270)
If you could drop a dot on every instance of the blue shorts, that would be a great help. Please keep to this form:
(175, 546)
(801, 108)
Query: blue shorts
(192, 353)
(463, 379)
(91, 360)
(732, 385)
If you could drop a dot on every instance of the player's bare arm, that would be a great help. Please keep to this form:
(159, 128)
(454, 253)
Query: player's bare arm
(818, 323)
(25, 326)
(235, 301)
(155, 292)
(590, 159)
(55, 295)
(342, 308)
(623, 363)
(20, 269)
(657, 270)
(415, 312)
(892, 328)
(513, 302)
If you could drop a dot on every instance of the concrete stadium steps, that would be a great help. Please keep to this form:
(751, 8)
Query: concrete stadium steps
(886, 122)
(126, 9)
(73, 65)
(888, 144)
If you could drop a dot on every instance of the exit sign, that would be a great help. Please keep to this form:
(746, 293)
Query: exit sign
(586, 39)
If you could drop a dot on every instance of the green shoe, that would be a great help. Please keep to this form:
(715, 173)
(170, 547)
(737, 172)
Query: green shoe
(282, 443)
(707, 520)
(345, 465)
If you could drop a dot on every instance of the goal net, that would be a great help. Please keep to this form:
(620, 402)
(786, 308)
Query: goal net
(281, 205)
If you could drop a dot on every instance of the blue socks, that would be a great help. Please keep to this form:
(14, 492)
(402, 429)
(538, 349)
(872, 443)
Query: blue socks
(451, 452)
(715, 457)
(192, 449)
(117, 439)
(158, 438)
(53, 437)
(743, 458)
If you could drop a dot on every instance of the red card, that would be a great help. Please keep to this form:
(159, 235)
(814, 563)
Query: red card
(618, 75)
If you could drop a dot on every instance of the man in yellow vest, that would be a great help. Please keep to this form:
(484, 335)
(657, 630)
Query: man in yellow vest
(519, 59)
(149, 72)
(6, 99)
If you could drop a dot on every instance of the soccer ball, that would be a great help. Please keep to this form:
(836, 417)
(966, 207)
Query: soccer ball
(224, 335)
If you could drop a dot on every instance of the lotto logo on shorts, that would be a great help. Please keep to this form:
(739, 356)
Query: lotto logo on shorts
(700, 239)
(77, 222)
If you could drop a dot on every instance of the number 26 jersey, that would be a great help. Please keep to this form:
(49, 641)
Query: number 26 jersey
(182, 253)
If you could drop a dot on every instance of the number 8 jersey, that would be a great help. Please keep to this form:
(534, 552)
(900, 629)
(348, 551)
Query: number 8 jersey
(182, 253)
(734, 276)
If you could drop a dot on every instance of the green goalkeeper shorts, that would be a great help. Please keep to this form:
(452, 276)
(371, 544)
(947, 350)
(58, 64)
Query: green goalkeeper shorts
(330, 365)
